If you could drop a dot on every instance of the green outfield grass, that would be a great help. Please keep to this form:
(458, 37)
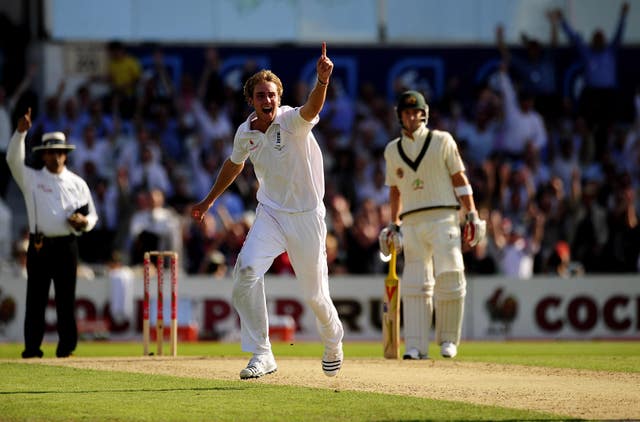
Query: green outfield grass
(40, 392)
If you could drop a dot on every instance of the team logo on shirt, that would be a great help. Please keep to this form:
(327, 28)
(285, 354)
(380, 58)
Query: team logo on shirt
(44, 188)
(399, 173)
(278, 145)
(417, 184)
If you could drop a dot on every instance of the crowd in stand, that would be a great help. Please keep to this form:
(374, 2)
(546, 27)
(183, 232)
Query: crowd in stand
(557, 181)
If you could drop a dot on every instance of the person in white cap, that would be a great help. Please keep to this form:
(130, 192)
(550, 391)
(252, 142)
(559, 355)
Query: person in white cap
(59, 208)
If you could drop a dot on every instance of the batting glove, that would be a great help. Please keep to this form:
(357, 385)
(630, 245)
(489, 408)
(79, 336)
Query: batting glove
(475, 229)
(389, 237)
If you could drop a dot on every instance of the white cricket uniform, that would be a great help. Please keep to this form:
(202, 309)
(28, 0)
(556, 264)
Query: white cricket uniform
(424, 181)
(49, 198)
(421, 169)
(290, 217)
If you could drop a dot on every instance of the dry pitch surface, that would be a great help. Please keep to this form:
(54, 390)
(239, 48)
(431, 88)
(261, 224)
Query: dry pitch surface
(575, 393)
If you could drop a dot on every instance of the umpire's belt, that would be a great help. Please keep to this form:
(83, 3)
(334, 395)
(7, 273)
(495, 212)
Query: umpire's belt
(52, 240)
(436, 207)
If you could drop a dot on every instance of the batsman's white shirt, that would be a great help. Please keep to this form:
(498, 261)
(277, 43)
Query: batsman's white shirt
(423, 177)
(424, 181)
(286, 159)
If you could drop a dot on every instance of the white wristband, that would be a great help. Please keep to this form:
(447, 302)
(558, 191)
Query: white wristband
(463, 190)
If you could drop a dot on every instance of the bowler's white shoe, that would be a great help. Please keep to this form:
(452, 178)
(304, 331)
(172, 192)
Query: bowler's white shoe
(332, 360)
(259, 366)
(414, 354)
(448, 349)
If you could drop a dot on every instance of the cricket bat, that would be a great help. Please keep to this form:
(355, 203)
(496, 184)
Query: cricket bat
(391, 311)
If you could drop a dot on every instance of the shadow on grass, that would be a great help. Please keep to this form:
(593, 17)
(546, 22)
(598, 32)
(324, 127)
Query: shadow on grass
(143, 390)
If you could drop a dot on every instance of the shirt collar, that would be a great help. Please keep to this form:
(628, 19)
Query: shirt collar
(419, 133)
(50, 174)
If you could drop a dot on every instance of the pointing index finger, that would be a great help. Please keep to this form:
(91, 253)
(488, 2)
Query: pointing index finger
(324, 49)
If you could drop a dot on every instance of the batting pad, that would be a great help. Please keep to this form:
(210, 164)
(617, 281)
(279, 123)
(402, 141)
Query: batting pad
(450, 292)
(417, 313)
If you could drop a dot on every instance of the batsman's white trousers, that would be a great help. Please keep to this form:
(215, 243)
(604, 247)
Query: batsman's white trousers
(303, 236)
(428, 235)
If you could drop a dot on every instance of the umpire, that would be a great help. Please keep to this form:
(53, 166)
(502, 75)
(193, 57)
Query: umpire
(59, 208)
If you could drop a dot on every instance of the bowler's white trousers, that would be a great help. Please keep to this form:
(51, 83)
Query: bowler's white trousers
(303, 236)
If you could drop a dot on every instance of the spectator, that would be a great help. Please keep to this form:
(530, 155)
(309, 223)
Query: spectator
(169, 133)
(339, 111)
(71, 118)
(514, 248)
(199, 241)
(215, 265)
(335, 258)
(121, 195)
(522, 125)
(623, 246)
(479, 137)
(6, 226)
(212, 124)
(121, 290)
(95, 115)
(478, 259)
(124, 73)
(19, 254)
(590, 232)
(92, 149)
(129, 154)
(565, 164)
(599, 101)
(211, 87)
(149, 175)
(157, 90)
(560, 262)
(536, 70)
(374, 188)
(96, 247)
(553, 201)
(362, 240)
(517, 193)
(339, 222)
(154, 226)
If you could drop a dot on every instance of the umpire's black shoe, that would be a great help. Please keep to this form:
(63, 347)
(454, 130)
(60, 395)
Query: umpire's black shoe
(28, 354)
(64, 354)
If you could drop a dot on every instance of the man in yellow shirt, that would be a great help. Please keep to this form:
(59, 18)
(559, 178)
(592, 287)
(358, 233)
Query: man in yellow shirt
(123, 73)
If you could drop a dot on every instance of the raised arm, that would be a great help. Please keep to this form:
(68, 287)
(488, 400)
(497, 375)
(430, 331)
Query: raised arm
(573, 36)
(617, 36)
(315, 102)
(16, 149)
(502, 47)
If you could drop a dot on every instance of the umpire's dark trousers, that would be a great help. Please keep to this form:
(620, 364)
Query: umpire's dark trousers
(57, 261)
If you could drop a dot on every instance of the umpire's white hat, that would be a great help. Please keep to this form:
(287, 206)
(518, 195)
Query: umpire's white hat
(54, 140)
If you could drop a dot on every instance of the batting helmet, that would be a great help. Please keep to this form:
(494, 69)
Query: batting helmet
(412, 100)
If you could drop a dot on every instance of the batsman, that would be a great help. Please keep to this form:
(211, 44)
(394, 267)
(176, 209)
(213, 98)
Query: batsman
(428, 186)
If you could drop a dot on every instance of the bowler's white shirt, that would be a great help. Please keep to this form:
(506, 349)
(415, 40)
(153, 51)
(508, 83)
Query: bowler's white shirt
(286, 159)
